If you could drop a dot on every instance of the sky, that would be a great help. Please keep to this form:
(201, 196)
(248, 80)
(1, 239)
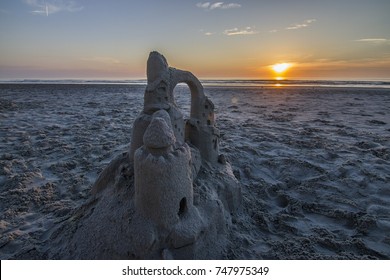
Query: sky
(102, 39)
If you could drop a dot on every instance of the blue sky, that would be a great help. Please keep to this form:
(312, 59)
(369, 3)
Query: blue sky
(112, 39)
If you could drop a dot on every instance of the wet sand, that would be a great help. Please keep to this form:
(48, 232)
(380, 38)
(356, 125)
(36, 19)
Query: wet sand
(313, 162)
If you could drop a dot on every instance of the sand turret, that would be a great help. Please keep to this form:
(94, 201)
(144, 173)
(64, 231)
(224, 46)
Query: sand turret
(163, 180)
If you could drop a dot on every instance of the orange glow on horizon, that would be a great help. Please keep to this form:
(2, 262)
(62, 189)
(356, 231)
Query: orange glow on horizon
(279, 70)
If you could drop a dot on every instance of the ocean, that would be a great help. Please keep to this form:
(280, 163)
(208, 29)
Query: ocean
(227, 82)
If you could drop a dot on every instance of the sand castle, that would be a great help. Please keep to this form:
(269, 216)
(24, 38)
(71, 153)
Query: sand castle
(171, 195)
(164, 166)
(199, 130)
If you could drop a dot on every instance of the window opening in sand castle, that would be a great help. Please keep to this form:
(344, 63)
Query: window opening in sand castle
(182, 206)
(182, 95)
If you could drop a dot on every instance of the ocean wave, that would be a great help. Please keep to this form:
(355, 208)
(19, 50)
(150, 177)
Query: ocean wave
(225, 82)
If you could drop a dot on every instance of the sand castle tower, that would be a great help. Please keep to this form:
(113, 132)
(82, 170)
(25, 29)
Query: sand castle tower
(199, 130)
(162, 173)
(168, 196)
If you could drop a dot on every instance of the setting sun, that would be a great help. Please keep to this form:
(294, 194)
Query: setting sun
(280, 67)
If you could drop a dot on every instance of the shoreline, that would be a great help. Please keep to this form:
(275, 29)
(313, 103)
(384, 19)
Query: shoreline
(239, 83)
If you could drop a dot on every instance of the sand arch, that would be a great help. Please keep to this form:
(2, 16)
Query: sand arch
(161, 76)
(196, 89)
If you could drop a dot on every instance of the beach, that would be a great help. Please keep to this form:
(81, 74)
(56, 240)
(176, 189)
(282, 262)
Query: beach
(313, 163)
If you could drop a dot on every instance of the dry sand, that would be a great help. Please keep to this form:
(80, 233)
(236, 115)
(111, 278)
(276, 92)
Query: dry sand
(314, 164)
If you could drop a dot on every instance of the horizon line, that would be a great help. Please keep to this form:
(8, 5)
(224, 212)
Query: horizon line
(200, 78)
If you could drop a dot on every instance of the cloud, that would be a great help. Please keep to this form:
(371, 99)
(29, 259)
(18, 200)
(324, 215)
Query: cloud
(306, 23)
(42, 7)
(374, 40)
(205, 5)
(206, 33)
(325, 63)
(235, 31)
(217, 5)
